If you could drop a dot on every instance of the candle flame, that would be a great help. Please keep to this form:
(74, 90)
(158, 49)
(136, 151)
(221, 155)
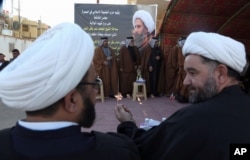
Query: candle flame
(139, 100)
(118, 97)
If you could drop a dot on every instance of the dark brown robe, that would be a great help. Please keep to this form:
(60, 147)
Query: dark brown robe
(108, 74)
(145, 55)
(128, 67)
(175, 73)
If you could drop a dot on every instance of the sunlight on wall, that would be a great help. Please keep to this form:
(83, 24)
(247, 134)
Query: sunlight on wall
(50, 12)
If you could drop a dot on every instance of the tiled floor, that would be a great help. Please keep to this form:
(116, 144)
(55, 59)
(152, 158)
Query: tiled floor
(154, 108)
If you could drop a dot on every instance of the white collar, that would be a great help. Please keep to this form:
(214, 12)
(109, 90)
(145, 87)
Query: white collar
(41, 126)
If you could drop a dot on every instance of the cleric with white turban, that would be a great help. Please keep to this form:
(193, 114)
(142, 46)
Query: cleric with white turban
(47, 70)
(146, 18)
(216, 47)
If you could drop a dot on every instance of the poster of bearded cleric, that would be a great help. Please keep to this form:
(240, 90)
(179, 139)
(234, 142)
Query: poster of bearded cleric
(116, 22)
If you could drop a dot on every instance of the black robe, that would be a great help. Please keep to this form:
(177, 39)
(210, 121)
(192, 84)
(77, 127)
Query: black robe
(4, 64)
(202, 131)
(156, 66)
(65, 144)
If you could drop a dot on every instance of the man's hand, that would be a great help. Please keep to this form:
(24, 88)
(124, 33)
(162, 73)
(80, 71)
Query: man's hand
(105, 63)
(150, 68)
(158, 58)
(123, 114)
(109, 58)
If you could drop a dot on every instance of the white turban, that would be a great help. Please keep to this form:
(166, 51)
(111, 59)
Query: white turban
(216, 47)
(146, 18)
(47, 70)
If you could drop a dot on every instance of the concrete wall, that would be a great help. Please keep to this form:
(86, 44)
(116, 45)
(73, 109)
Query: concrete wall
(7, 43)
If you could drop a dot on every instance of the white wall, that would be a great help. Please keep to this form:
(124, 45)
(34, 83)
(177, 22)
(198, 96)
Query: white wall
(20, 44)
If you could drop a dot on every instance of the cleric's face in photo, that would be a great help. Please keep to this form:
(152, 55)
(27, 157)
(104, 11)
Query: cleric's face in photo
(140, 33)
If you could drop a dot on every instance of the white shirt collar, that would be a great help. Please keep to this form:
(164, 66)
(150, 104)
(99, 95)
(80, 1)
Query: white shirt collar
(41, 126)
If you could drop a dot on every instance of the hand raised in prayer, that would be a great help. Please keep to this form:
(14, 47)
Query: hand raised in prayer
(123, 114)
(158, 58)
(150, 68)
(109, 58)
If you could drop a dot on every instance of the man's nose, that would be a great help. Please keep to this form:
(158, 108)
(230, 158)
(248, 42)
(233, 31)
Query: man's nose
(186, 80)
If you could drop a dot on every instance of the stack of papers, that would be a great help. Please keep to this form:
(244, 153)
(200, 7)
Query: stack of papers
(149, 123)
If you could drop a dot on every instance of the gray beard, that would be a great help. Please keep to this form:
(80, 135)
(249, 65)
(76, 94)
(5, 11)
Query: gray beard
(202, 94)
(139, 39)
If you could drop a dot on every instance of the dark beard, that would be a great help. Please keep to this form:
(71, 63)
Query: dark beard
(87, 115)
(201, 94)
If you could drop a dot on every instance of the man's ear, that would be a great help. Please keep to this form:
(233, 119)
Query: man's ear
(222, 71)
(70, 101)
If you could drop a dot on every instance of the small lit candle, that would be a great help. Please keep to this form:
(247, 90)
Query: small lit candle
(118, 98)
(139, 100)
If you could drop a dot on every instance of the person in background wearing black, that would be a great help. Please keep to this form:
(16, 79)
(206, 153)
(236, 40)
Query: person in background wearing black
(15, 53)
(154, 65)
(3, 62)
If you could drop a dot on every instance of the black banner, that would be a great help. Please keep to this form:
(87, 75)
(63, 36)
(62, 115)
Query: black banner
(112, 21)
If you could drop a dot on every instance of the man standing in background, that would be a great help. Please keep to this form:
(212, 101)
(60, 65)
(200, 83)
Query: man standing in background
(129, 62)
(3, 62)
(175, 73)
(106, 67)
(15, 53)
(154, 66)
